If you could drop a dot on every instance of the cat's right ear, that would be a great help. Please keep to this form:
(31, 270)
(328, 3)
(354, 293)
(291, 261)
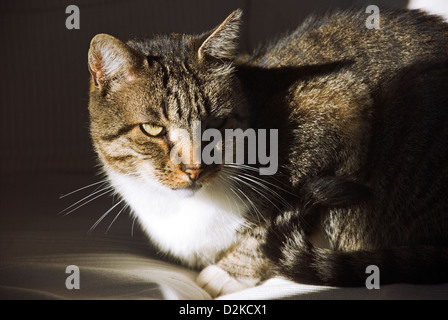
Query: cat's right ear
(111, 59)
(222, 42)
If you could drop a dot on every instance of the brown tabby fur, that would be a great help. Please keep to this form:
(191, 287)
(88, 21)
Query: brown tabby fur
(363, 129)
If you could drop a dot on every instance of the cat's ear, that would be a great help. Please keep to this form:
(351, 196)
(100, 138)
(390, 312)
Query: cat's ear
(110, 59)
(222, 42)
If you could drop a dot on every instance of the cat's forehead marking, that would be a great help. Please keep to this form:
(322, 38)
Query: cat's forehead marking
(183, 96)
(184, 101)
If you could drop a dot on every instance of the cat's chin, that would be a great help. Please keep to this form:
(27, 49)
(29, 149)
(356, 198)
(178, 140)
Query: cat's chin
(188, 191)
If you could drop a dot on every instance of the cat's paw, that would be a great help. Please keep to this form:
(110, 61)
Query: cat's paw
(218, 282)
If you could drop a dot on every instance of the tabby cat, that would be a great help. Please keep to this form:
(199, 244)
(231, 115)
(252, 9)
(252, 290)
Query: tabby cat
(362, 120)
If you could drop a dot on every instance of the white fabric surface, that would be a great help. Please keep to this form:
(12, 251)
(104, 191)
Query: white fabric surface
(113, 268)
(108, 269)
(439, 7)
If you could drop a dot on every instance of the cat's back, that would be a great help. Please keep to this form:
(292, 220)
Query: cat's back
(401, 38)
(376, 100)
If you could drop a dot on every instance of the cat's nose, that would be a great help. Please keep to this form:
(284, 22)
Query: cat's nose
(193, 173)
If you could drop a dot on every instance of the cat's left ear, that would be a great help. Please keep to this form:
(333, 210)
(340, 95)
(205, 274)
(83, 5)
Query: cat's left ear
(222, 42)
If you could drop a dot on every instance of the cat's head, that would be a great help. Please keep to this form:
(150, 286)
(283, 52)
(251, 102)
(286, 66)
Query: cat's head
(144, 91)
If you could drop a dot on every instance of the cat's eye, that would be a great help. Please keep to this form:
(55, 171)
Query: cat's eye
(152, 130)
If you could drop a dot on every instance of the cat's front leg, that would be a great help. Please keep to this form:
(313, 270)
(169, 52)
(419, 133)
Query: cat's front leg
(242, 266)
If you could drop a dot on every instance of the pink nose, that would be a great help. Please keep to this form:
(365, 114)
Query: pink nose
(193, 174)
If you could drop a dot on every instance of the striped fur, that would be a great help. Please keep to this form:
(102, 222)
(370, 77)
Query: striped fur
(362, 117)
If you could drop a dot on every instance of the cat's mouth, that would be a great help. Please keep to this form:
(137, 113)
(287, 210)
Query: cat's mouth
(189, 182)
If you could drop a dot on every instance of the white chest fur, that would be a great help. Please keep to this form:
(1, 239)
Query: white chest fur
(193, 228)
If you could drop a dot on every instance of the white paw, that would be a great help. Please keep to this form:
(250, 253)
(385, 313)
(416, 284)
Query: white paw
(218, 282)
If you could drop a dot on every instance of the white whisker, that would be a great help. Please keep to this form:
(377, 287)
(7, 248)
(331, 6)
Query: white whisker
(103, 216)
(270, 183)
(254, 207)
(257, 191)
(268, 190)
(118, 214)
(132, 227)
(104, 190)
(226, 184)
(77, 190)
(247, 168)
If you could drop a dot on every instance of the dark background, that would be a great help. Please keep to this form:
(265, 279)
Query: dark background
(45, 146)
(44, 75)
